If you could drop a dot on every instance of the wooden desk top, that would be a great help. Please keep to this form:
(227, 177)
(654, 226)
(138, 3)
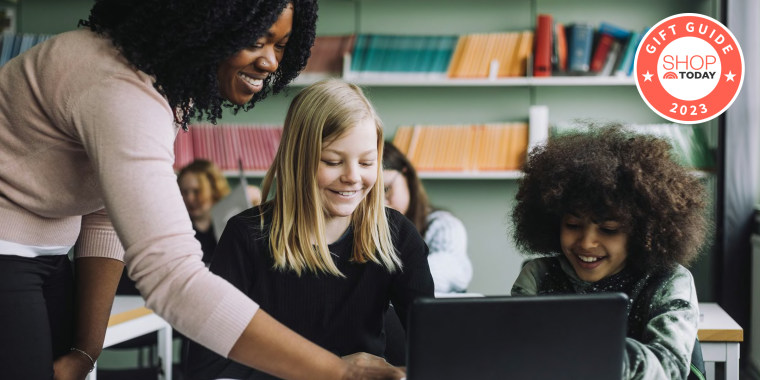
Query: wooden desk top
(126, 308)
(715, 325)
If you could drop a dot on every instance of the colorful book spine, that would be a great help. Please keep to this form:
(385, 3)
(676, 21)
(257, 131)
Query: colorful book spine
(599, 56)
(542, 62)
(580, 43)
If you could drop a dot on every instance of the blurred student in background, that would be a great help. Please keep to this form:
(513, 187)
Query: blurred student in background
(202, 185)
(444, 233)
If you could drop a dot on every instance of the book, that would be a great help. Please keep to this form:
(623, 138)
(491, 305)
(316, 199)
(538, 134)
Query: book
(625, 66)
(327, 54)
(525, 49)
(612, 59)
(616, 32)
(581, 37)
(457, 56)
(599, 57)
(542, 65)
(560, 47)
(628, 53)
(359, 52)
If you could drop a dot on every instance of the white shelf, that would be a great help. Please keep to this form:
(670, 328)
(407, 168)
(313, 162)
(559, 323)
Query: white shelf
(510, 174)
(513, 174)
(428, 80)
(246, 173)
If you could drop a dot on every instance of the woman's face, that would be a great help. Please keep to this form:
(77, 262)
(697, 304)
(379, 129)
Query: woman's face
(348, 170)
(242, 75)
(197, 199)
(595, 250)
(396, 190)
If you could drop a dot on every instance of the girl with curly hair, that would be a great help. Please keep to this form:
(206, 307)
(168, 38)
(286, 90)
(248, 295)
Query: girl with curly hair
(87, 125)
(612, 211)
(324, 255)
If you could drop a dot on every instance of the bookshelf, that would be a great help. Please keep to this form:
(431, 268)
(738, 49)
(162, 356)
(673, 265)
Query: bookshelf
(481, 200)
(414, 80)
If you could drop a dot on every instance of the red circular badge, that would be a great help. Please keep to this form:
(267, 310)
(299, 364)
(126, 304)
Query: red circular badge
(689, 68)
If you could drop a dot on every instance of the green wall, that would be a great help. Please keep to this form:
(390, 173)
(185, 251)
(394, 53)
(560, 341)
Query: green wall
(483, 205)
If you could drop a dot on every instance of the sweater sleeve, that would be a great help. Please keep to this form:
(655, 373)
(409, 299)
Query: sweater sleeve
(526, 283)
(665, 350)
(233, 261)
(126, 128)
(450, 266)
(98, 238)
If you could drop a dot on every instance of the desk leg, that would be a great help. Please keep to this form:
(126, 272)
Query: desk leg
(732, 361)
(165, 351)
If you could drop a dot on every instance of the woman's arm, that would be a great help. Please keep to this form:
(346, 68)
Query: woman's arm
(271, 347)
(96, 282)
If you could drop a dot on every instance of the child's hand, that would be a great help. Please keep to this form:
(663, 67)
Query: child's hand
(364, 366)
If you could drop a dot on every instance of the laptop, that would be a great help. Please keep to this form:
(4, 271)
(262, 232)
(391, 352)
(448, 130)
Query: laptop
(537, 337)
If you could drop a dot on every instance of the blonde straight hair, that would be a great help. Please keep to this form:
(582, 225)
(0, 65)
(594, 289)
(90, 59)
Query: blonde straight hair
(322, 112)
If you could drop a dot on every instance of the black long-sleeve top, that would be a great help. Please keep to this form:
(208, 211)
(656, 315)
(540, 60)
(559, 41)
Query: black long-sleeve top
(342, 315)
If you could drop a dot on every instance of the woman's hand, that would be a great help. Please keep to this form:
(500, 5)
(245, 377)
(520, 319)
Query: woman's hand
(364, 366)
(71, 367)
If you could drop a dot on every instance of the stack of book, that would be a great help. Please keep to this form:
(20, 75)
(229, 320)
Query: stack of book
(228, 145)
(579, 49)
(379, 53)
(495, 55)
(328, 52)
(464, 148)
(551, 49)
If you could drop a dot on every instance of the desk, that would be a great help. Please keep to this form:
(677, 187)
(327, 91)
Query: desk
(720, 337)
(130, 319)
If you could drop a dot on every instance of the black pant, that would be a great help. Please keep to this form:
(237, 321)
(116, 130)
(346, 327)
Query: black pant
(36, 314)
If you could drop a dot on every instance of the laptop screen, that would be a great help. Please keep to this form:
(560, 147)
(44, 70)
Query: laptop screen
(540, 337)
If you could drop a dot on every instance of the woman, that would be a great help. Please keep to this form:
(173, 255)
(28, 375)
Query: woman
(202, 185)
(444, 233)
(324, 256)
(87, 123)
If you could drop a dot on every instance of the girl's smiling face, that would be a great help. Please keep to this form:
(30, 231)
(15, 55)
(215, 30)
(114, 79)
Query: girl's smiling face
(595, 250)
(348, 170)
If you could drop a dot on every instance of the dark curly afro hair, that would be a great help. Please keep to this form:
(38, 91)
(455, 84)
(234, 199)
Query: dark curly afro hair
(611, 174)
(182, 42)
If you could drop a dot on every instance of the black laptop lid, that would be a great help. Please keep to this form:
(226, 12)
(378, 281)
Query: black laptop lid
(544, 337)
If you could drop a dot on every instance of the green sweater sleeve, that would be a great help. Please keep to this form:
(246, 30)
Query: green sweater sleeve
(664, 352)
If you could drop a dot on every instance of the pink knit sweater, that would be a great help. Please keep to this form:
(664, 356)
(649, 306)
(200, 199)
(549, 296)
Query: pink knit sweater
(82, 132)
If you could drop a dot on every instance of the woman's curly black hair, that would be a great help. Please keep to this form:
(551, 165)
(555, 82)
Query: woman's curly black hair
(182, 42)
(612, 174)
